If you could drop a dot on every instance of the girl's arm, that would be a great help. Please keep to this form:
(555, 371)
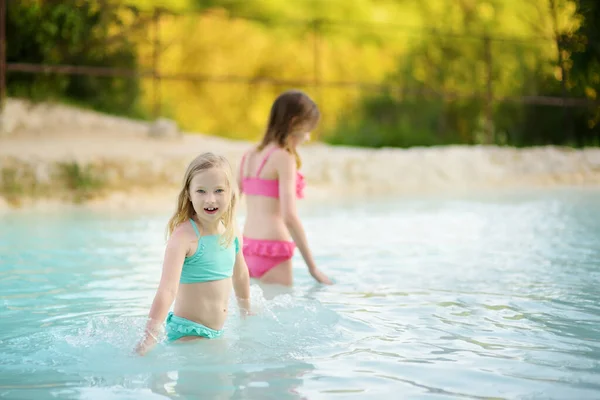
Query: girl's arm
(175, 252)
(241, 280)
(286, 169)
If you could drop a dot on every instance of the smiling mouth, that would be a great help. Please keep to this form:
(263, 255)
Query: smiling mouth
(211, 210)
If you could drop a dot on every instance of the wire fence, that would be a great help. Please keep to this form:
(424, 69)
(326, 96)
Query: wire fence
(147, 28)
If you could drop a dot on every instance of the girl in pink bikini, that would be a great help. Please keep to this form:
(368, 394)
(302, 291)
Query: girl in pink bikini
(270, 179)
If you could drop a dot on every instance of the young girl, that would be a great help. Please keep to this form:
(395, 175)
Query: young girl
(202, 258)
(270, 179)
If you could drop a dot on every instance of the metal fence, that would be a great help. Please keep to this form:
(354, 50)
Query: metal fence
(148, 25)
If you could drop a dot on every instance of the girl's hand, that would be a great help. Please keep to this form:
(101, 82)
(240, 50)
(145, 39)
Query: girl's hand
(142, 347)
(147, 343)
(320, 277)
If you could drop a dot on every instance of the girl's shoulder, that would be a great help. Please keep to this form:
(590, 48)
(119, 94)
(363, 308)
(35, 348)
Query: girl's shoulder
(184, 231)
(253, 152)
(282, 156)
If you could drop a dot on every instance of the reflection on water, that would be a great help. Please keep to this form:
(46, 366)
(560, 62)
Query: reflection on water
(475, 297)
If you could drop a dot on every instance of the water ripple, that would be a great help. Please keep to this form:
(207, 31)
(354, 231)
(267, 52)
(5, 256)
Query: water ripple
(474, 298)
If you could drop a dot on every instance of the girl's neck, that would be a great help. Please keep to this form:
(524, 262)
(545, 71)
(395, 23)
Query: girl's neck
(271, 145)
(278, 146)
(208, 229)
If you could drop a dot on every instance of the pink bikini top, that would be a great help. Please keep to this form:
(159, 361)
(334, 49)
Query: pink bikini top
(267, 187)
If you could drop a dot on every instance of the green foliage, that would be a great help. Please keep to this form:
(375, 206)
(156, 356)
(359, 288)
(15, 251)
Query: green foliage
(17, 182)
(79, 180)
(77, 177)
(420, 48)
(72, 32)
(10, 182)
(69, 179)
(385, 121)
(462, 65)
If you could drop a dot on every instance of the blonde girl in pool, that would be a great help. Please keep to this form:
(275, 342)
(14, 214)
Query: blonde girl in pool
(270, 179)
(202, 258)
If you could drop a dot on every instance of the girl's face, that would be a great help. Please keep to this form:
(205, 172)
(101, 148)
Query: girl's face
(300, 135)
(210, 195)
(296, 139)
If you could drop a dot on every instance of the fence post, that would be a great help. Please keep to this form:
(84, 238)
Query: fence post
(316, 25)
(567, 123)
(563, 85)
(156, 92)
(489, 96)
(2, 55)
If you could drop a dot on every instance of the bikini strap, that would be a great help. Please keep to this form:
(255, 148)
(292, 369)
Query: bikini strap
(195, 227)
(242, 165)
(264, 161)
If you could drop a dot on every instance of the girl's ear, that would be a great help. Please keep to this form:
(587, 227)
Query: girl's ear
(291, 124)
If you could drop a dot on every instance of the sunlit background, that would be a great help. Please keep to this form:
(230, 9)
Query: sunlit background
(385, 73)
(453, 195)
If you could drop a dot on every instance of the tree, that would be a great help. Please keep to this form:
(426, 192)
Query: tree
(72, 32)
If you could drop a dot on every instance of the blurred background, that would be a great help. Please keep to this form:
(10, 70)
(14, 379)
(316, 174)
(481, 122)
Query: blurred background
(461, 271)
(385, 72)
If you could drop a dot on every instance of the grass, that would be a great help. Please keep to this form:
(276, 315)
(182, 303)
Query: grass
(80, 181)
(11, 186)
(69, 180)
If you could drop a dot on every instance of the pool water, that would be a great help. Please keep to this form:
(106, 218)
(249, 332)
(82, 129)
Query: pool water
(489, 296)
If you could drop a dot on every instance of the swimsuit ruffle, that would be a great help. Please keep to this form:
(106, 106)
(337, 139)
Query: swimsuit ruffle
(267, 248)
(189, 330)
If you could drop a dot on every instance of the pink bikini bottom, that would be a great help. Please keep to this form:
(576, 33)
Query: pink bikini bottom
(262, 255)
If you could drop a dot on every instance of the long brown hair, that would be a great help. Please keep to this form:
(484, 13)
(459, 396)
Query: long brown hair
(291, 110)
(185, 209)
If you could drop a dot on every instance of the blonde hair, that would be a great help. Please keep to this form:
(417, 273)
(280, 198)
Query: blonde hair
(185, 209)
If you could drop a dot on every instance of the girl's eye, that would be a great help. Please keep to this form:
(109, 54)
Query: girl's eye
(200, 191)
(220, 190)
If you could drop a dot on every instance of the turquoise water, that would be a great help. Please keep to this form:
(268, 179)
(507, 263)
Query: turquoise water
(492, 296)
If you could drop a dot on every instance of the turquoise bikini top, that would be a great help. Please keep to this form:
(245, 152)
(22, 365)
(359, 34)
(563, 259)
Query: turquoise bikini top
(211, 261)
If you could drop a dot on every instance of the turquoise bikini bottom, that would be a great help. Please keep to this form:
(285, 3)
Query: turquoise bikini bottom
(178, 327)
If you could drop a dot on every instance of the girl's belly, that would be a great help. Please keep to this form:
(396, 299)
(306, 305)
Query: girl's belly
(204, 302)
